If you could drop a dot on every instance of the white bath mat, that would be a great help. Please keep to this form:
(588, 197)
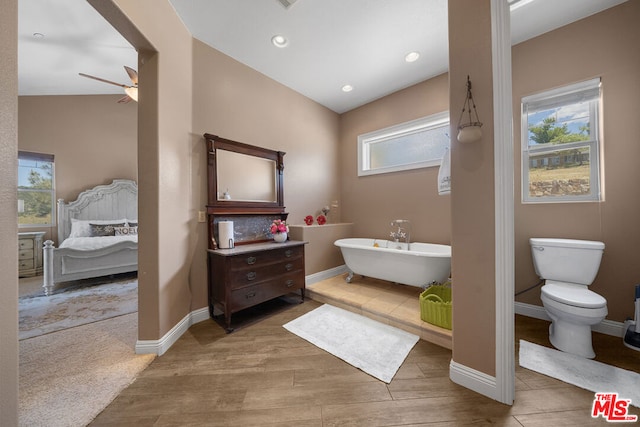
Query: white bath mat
(584, 373)
(375, 348)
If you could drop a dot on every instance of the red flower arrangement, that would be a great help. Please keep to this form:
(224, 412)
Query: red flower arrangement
(308, 220)
(321, 219)
(279, 226)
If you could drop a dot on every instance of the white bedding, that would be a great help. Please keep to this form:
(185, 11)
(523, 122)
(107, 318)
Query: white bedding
(91, 243)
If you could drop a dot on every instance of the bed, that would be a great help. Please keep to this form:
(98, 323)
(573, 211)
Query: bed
(97, 235)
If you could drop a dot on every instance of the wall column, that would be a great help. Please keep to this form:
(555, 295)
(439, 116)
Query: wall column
(482, 224)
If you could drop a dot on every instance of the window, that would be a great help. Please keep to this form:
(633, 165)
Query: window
(560, 144)
(416, 144)
(35, 190)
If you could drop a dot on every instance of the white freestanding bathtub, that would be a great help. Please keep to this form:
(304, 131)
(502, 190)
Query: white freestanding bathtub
(420, 265)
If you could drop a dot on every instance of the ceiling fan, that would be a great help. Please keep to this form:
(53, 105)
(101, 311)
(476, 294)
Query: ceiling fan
(131, 91)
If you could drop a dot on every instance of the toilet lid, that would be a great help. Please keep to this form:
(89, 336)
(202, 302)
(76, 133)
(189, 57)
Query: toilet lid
(575, 295)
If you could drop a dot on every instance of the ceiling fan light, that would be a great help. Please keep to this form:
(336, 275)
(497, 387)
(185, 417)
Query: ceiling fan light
(132, 92)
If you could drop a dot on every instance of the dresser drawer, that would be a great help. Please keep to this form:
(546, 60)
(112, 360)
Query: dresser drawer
(26, 264)
(256, 259)
(30, 253)
(24, 254)
(252, 295)
(25, 244)
(255, 274)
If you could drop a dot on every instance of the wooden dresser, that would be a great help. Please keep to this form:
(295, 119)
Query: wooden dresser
(30, 253)
(250, 274)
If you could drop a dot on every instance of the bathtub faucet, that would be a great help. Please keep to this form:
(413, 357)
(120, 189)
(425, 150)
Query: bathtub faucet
(403, 231)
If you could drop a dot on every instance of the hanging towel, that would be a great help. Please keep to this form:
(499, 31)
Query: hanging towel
(444, 174)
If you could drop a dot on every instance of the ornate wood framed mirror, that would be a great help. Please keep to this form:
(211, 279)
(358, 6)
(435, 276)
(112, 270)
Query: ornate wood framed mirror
(243, 180)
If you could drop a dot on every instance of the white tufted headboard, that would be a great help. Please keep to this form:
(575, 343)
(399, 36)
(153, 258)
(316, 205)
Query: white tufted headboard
(114, 201)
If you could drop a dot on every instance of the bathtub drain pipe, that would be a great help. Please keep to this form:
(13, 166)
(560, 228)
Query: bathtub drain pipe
(531, 287)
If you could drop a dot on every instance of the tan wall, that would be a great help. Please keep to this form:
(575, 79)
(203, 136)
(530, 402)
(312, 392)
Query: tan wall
(238, 103)
(472, 190)
(320, 253)
(8, 214)
(93, 138)
(372, 202)
(168, 218)
(604, 45)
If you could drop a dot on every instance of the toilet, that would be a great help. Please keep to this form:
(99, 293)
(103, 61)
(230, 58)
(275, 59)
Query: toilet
(568, 268)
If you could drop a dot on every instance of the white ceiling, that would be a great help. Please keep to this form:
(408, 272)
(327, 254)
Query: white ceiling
(331, 42)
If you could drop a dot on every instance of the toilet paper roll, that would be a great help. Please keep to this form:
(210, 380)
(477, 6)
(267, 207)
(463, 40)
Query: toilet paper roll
(225, 235)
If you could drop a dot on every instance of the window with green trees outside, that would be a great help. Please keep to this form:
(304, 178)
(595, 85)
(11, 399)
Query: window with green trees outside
(561, 144)
(36, 196)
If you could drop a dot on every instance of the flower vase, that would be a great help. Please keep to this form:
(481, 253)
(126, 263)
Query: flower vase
(280, 237)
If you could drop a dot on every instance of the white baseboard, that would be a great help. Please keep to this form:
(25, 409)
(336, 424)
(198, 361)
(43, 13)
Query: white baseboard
(326, 274)
(608, 327)
(159, 347)
(530, 310)
(474, 380)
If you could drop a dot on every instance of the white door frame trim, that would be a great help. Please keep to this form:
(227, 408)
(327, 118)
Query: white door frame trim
(504, 200)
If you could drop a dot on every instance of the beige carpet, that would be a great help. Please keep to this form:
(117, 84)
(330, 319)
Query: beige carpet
(68, 377)
(77, 352)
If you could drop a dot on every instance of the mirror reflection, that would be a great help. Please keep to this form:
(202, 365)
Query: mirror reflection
(245, 178)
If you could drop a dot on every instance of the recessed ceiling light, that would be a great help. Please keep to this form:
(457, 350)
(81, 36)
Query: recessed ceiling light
(38, 35)
(279, 41)
(347, 88)
(412, 56)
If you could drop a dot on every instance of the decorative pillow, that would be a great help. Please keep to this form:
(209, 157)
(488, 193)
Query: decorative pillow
(98, 230)
(79, 228)
(126, 231)
(82, 227)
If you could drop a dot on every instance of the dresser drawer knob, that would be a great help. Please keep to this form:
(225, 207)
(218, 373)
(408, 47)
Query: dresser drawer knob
(289, 283)
(288, 267)
(250, 295)
(251, 260)
(251, 275)
(288, 253)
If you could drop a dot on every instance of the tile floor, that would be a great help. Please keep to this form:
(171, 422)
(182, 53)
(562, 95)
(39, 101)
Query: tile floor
(397, 305)
(262, 375)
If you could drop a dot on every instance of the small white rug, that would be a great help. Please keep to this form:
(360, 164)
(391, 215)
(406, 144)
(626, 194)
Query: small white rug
(375, 348)
(584, 373)
(41, 314)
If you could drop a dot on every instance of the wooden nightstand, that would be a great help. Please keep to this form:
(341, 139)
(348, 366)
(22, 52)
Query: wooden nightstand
(30, 253)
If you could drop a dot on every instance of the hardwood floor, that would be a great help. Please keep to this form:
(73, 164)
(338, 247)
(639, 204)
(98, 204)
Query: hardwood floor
(261, 374)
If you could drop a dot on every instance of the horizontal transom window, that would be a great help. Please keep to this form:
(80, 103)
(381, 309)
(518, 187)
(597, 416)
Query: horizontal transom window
(416, 144)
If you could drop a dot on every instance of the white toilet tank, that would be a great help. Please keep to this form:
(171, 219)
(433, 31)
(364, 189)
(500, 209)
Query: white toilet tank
(566, 260)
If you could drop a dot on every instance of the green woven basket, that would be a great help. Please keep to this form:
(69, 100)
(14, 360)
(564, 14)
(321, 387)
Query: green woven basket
(435, 306)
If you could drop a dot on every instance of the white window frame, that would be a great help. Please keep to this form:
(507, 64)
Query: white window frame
(586, 91)
(365, 142)
(45, 158)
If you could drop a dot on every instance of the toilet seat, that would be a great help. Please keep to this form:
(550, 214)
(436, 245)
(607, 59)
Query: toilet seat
(573, 295)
